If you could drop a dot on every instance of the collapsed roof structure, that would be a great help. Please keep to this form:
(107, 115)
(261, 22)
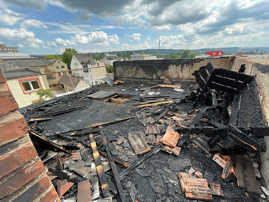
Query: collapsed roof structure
(156, 137)
(155, 141)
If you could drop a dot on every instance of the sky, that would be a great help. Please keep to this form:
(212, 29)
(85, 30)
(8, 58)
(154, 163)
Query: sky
(50, 26)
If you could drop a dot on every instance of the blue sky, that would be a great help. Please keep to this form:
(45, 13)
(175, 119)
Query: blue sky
(50, 26)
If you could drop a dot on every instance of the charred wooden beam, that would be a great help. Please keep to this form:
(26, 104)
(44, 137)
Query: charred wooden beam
(49, 144)
(114, 171)
(95, 125)
(99, 167)
(139, 162)
(239, 135)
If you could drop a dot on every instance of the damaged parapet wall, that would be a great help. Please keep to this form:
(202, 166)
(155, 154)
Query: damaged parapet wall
(176, 70)
(22, 174)
(259, 67)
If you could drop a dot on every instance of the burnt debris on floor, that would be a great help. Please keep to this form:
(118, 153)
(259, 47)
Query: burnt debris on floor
(155, 141)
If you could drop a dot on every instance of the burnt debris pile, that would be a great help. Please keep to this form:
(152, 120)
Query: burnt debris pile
(152, 142)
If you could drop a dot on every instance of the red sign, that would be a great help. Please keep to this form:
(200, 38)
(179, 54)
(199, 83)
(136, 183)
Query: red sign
(215, 53)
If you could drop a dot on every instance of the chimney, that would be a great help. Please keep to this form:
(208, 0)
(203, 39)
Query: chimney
(23, 177)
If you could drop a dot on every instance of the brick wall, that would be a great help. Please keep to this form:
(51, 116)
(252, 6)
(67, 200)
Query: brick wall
(179, 69)
(22, 174)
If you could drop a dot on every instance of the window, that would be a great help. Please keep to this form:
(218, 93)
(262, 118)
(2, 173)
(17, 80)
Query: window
(57, 67)
(30, 86)
(63, 67)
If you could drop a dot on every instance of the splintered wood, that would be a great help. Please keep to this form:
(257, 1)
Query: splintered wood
(138, 142)
(166, 86)
(155, 104)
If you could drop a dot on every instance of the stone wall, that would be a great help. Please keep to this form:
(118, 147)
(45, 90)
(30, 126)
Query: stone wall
(23, 176)
(176, 70)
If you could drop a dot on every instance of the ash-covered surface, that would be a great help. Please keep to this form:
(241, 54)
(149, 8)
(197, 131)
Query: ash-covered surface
(155, 178)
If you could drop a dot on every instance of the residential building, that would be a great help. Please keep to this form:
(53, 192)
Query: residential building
(54, 70)
(24, 83)
(11, 53)
(70, 83)
(84, 66)
(6, 49)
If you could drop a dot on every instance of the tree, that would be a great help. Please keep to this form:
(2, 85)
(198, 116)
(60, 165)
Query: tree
(109, 69)
(45, 93)
(67, 56)
(99, 56)
(187, 54)
(50, 57)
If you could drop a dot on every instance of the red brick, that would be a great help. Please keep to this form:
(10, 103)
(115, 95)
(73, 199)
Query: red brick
(4, 89)
(2, 78)
(35, 191)
(51, 196)
(11, 161)
(14, 121)
(7, 104)
(22, 177)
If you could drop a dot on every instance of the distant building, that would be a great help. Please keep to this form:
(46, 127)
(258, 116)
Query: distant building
(54, 70)
(70, 83)
(5, 49)
(143, 57)
(24, 82)
(13, 56)
(87, 68)
(110, 55)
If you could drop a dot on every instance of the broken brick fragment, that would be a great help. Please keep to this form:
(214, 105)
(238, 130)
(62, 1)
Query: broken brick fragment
(224, 162)
(199, 174)
(216, 189)
(194, 188)
(84, 191)
(172, 150)
(170, 137)
(63, 186)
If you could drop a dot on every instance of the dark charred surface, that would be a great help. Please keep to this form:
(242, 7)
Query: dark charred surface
(156, 178)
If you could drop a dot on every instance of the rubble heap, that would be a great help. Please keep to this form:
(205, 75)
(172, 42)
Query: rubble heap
(155, 141)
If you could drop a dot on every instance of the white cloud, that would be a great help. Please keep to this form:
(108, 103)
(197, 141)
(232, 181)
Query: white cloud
(33, 23)
(9, 18)
(22, 35)
(63, 42)
(68, 28)
(136, 36)
(33, 4)
(98, 40)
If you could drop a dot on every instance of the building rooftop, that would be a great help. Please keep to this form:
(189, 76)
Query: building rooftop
(30, 62)
(85, 58)
(69, 80)
(12, 72)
